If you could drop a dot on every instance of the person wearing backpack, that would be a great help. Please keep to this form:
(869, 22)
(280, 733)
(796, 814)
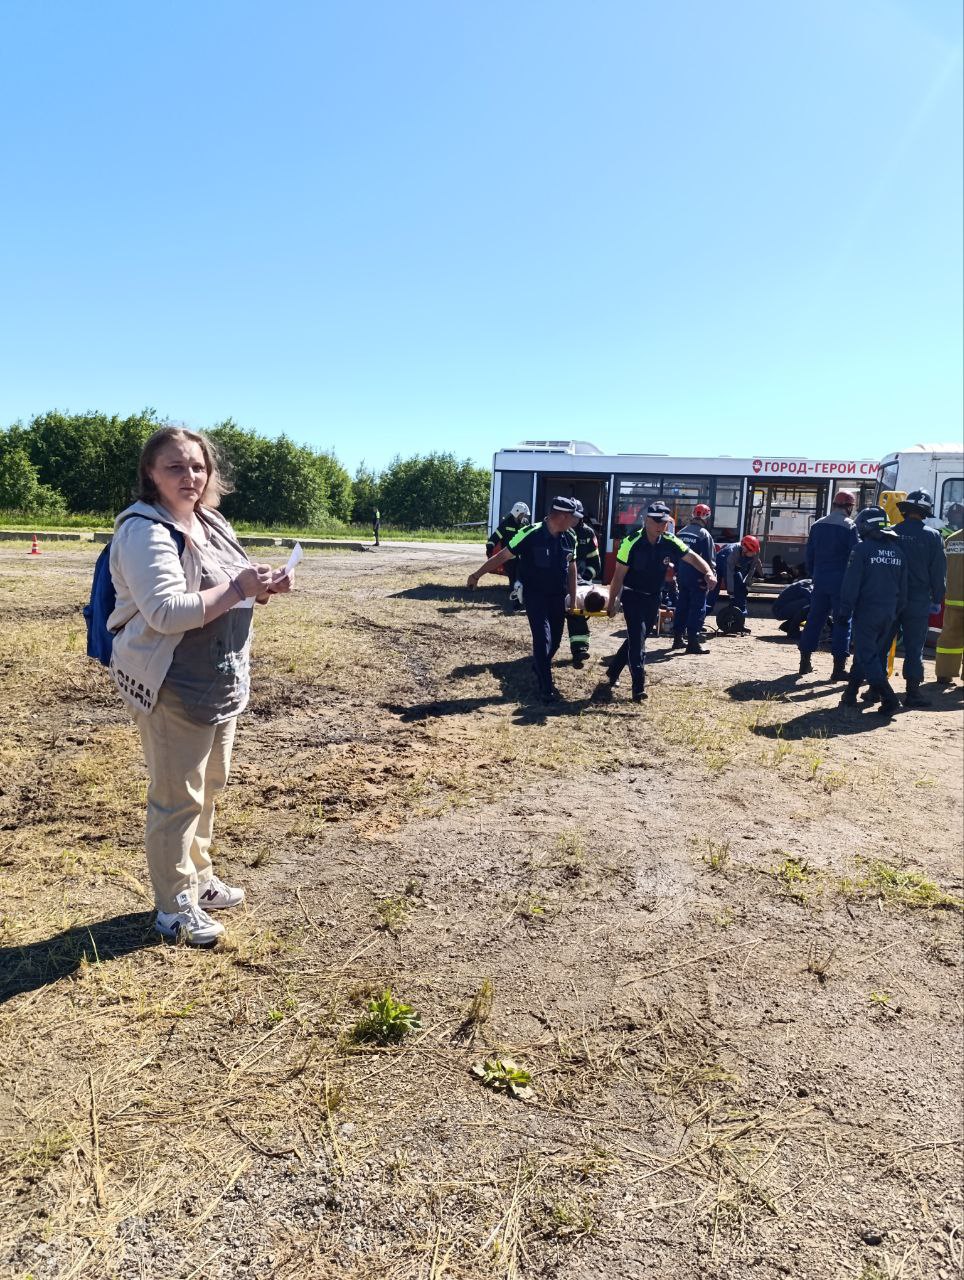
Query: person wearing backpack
(181, 627)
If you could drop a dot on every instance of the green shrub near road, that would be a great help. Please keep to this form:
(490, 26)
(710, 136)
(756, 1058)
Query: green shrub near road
(65, 466)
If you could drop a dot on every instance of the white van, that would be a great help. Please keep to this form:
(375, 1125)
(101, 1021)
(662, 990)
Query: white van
(938, 468)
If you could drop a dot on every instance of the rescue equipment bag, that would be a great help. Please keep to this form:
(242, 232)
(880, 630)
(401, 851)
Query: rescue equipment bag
(103, 598)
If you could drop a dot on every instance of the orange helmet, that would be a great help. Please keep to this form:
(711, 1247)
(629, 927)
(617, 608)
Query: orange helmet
(845, 498)
(701, 511)
(750, 545)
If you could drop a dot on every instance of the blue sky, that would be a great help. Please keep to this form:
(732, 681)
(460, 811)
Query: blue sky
(397, 227)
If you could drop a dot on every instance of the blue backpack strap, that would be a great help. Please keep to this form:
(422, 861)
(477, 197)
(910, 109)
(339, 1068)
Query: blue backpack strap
(103, 597)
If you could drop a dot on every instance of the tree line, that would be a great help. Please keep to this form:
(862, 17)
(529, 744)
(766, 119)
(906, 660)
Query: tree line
(60, 463)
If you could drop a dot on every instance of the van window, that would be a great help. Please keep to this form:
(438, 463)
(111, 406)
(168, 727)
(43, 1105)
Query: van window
(888, 479)
(951, 508)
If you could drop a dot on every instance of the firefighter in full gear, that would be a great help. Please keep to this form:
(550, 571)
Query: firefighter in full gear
(873, 591)
(829, 546)
(690, 610)
(588, 569)
(950, 643)
(926, 580)
(501, 536)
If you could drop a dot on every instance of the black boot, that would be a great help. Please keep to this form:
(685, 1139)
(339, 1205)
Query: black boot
(678, 643)
(870, 696)
(913, 697)
(850, 693)
(806, 666)
(639, 689)
(839, 669)
(889, 702)
(579, 656)
(694, 646)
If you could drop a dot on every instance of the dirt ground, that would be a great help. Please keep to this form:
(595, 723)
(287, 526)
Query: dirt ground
(720, 931)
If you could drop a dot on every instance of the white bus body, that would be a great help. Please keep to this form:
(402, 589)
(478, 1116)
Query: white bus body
(776, 499)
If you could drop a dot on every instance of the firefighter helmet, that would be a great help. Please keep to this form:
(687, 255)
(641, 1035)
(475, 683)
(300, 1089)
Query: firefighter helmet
(919, 502)
(750, 545)
(701, 511)
(520, 511)
(871, 521)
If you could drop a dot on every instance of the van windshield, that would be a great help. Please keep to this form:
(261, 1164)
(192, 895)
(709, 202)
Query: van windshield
(888, 479)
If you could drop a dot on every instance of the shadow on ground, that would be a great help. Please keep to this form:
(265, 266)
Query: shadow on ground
(38, 964)
(517, 686)
(496, 596)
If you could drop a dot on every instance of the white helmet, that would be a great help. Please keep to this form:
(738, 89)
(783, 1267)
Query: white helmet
(519, 510)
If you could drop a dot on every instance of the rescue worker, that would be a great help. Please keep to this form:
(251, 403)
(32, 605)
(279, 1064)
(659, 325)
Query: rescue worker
(926, 580)
(872, 593)
(547, 570)
(588, 569)
(792, 605)
(829, 546)
(376, 525)
(743, 564)
(691, 601)
(641, 564)
(519, 516)
(950, 643)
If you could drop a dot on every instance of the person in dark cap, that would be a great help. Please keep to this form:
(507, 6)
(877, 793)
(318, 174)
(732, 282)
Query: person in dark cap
(547, 571)
(641, 564)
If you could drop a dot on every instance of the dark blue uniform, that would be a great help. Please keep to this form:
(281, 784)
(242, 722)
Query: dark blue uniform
(647, 564)
(501, 536)
(873, 591)
(739, 567)
(543, 569)
(791, 605)
(720, 570)
(829, 547)
(691, 600)
(926, 582)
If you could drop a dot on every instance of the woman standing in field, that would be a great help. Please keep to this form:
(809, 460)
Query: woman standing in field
(182, 634)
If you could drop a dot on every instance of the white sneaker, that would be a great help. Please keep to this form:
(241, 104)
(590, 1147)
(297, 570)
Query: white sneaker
(188, 924)
(215, 895)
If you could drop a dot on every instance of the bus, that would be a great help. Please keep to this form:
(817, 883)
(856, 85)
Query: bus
(775, 498)
(938, 468)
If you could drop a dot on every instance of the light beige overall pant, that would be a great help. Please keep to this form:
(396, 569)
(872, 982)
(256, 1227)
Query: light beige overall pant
(187, 765)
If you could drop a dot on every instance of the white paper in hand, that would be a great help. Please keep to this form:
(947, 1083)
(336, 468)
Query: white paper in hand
(296, 557)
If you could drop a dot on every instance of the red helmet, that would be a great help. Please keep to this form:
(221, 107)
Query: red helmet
(750, 545)
(845, 498)
(701, 511)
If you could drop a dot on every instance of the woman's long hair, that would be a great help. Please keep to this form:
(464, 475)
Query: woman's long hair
(217, 485)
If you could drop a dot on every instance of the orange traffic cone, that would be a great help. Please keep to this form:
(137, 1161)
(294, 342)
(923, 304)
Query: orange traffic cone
(35, 547)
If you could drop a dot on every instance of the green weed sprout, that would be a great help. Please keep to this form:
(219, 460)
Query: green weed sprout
(505, 1076)
(387, 1021)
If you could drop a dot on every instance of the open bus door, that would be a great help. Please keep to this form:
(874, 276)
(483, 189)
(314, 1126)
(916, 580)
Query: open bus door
(592, 492)
(780, 516)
